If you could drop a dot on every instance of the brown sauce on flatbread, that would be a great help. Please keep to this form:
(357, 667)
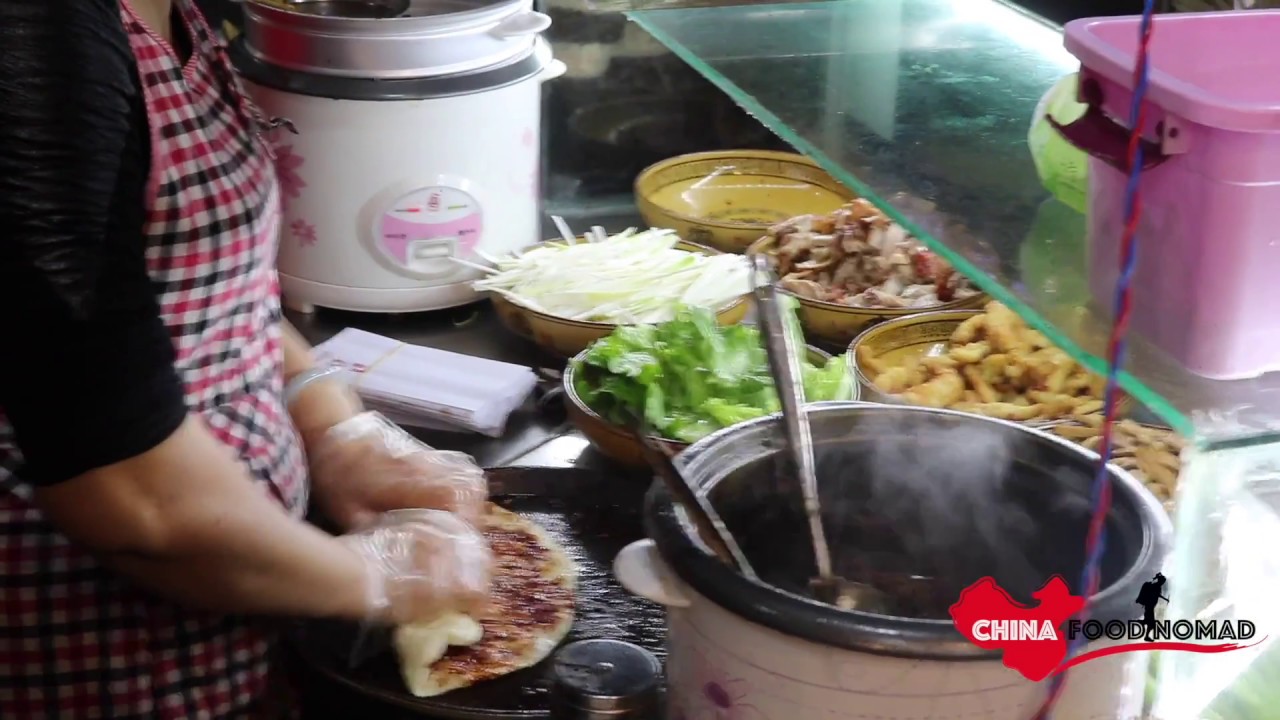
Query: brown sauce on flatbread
(525, 605)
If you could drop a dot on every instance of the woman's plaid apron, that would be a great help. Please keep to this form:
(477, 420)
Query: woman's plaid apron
(77, 641)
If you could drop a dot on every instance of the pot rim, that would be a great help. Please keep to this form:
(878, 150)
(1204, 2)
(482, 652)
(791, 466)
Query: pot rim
(399, 48)
(261, 70)
(473, 19)
(801, 617)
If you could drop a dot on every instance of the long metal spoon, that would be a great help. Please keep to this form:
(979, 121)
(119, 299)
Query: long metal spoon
(784, 362)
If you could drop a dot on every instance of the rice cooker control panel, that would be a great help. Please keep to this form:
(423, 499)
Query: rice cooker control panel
(417, 233)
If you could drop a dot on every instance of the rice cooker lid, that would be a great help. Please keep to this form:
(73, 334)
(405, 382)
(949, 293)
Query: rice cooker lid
(255, 70)
(430, 8)
(390, 39)
(382, 9)
(356, 9)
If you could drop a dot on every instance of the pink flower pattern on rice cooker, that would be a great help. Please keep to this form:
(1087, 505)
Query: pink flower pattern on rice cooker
(288, 167)
(531, 184)
(304, 232)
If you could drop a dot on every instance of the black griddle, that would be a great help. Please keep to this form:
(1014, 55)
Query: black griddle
(594, 514)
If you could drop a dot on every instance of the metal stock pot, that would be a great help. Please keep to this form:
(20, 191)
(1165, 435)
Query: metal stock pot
(973, 496)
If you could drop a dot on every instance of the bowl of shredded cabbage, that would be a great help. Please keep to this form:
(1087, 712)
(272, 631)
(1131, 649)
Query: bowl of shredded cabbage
(688, 378)
(564, 296)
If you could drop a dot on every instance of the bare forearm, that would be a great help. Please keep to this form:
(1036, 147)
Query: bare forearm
(254, 560)
(298, 355)
(322, 404)
(186, 521)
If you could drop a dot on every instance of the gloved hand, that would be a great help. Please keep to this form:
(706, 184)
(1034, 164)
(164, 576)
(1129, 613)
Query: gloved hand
(422, 563)
(367, 465)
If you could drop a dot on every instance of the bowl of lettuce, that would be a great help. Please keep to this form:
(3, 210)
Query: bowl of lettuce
(687, 378)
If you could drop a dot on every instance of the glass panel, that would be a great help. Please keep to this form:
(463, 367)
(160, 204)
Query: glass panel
(624, 103)
(924, 107)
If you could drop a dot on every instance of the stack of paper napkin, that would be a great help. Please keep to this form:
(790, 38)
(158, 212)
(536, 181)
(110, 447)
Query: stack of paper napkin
(425, 387)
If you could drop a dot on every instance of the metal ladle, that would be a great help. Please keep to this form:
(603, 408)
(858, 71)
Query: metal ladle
(706, 521)
(710, 527)
(784, 362)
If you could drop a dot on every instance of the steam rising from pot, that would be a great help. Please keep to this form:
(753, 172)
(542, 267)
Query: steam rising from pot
(914, 495)
(944, 498)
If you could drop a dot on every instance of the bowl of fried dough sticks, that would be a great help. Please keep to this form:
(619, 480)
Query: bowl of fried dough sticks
(987, 362)
(1152, 454)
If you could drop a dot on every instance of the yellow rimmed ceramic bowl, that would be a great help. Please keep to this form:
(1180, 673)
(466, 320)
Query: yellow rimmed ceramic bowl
(729, 199)
(615, 442)
(840, 324)
(566, 338)
(908, 339)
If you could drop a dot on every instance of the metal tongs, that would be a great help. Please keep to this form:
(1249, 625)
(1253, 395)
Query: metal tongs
(784, 363)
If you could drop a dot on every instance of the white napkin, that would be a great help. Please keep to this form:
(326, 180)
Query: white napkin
(427, 387)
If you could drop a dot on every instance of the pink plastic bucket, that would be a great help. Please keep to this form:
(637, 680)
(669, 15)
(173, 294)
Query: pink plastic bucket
(1209, 250)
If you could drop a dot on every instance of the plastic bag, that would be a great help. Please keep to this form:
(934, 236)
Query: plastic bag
(1062, 167)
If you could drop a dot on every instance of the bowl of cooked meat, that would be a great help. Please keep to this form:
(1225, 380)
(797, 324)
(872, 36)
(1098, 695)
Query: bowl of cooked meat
(856, 267)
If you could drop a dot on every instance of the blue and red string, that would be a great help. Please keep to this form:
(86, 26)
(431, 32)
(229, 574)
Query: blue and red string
(1096, 542)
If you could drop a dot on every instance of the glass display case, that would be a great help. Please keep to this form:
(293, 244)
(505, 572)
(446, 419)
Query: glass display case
(924, 106)
(624, 103)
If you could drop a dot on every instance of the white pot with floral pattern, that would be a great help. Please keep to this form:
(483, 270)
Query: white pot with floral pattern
(722, 667)
(743, 649)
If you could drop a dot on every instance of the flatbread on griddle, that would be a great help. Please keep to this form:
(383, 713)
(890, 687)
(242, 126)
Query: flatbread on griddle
(530, 612)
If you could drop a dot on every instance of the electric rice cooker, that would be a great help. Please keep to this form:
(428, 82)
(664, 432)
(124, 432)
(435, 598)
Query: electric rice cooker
(416, 143)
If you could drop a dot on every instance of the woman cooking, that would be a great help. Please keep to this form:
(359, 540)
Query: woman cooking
(157, 416)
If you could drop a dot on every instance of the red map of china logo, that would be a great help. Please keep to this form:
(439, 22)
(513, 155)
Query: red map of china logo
(1034, 639)
(1030, 637)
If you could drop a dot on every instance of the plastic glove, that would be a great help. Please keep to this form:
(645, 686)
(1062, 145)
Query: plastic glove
(422, 564)
(367, 465)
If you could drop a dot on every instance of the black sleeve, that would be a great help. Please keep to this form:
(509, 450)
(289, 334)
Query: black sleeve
(213, 13)
(87, 373)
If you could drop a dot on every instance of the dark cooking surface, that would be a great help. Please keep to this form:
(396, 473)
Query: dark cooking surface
(594, 515)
